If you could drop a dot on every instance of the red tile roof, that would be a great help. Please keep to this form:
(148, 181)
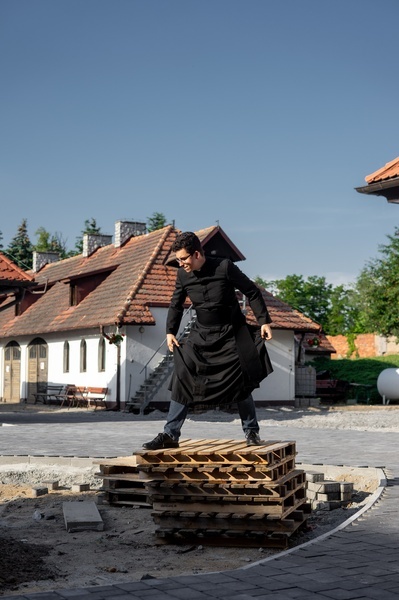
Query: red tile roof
(10, 272)
(130, 279)
(283, 316)
(389, 171)
(324, 346)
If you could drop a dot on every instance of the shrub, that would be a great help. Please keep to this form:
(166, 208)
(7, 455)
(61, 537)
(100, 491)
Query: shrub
(359, 370)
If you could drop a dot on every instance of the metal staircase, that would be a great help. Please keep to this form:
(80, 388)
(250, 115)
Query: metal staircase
(154, 380)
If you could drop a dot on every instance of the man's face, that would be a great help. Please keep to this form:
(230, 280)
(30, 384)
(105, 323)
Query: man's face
(189, 262)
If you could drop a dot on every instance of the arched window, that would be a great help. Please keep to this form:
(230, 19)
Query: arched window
(83, 356)
(101, 354)
(66, 357)
(12, 351)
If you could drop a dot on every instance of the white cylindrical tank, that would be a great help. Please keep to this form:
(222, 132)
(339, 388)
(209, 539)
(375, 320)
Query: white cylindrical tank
(388, 385)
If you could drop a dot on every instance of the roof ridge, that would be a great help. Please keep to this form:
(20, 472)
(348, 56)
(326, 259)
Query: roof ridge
(143, 275)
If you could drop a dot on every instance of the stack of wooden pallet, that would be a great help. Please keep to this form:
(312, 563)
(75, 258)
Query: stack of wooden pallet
(224, 492)
(122, 484)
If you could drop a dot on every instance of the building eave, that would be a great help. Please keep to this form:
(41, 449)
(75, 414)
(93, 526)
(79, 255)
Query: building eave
(388, 188)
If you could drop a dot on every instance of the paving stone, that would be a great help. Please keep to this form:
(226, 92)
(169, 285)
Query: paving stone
(340, 594)
(80, 516)
(39, 490)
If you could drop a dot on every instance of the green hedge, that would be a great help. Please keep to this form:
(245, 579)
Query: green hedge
(359, 370)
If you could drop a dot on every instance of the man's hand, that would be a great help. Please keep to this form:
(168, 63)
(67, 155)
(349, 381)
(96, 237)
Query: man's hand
(266, 332)
(171, 341)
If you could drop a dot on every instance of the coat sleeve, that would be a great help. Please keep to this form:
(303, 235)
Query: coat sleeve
(251, 291)
(175, 311)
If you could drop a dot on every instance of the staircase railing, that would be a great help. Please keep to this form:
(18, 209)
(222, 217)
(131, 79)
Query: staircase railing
(153, 381)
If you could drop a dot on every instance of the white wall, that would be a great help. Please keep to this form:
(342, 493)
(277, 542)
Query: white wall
(92, 377)
(143, 347)
(136, 349)
(279, 385)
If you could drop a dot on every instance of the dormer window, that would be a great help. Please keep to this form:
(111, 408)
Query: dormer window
(82, 285)
(73, 295)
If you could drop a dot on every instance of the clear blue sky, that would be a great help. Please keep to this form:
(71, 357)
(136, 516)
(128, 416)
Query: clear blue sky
(260, 115)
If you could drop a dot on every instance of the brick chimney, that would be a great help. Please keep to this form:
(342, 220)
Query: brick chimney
(92, 241)
(40, 259)
(124, 230)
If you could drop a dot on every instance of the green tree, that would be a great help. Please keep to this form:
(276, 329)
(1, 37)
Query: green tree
(156, 221)
(263, 283)
(20, 249)
(90, 226)
(378, 290)
(334, 308)
(48, 242)
(1, 238)
(343, 316)
(311, 296)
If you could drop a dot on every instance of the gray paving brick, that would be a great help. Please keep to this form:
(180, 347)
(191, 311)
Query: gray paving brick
(187, 594)
(115, 596)
(131, 586)
(379, 594)
(365, 554)
(43, 596)
(340, 594)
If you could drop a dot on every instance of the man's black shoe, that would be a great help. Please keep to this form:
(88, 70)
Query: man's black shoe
(163, 440)
(253, 438)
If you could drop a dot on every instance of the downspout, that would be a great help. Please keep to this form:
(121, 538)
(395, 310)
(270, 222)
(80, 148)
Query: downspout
(298, 358)
(118, 372)
(118, 377)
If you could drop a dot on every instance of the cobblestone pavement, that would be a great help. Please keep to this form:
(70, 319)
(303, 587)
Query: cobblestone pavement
(360, 561)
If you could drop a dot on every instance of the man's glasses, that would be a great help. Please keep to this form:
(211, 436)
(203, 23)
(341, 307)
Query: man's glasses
(183, 259)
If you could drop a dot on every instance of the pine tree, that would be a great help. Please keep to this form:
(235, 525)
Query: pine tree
(20, 249)
(156, 221)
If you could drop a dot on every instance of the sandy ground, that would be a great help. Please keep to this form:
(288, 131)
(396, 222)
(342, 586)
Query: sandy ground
(38, 554)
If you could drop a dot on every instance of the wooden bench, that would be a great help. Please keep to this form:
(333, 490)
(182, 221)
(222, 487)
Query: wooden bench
(82, 396)
(97, 396)
(48, 393)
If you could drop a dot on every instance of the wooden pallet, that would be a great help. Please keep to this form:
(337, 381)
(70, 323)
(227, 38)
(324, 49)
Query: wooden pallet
(216, 492)
(122, 484)
(228, 530)
(260, 491)
(228, 452)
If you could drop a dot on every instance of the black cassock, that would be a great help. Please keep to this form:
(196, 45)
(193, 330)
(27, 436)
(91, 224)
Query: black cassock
(223, 359)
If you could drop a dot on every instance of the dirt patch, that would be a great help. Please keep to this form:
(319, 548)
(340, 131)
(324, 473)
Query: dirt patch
(38, 554)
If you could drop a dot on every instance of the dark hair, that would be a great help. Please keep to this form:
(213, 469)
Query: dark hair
(187, 241)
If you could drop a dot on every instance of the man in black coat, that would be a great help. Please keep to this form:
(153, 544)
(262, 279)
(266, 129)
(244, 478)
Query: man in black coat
(223, 358)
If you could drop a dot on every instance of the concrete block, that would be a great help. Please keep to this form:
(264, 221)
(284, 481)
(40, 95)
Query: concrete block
(331, 496)
(81, 516)
(80, 487)
(51, 485)
(313, 476)
(324, 487)
(346, 496)
(346, 487)
(38, 490)
(101, 498)
(331, 486)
